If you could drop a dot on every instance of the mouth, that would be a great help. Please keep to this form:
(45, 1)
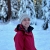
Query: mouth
(26, 24)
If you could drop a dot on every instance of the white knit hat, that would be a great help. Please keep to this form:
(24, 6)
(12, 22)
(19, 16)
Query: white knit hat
(23, 16)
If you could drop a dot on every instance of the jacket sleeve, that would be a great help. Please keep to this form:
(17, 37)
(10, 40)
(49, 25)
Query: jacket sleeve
(18, 39)
(35, 49)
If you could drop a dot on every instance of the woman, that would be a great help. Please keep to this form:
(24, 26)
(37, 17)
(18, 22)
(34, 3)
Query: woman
(24, 39)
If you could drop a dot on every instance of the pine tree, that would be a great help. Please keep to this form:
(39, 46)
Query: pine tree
(5, 10)
(15, 6)
(45, 8)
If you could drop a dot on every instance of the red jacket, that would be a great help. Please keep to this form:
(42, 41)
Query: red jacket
(23, 39)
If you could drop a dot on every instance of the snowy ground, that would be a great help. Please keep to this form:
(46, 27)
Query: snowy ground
(42, 37)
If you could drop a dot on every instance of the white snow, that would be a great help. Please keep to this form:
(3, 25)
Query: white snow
(42, 37)
(6, 37)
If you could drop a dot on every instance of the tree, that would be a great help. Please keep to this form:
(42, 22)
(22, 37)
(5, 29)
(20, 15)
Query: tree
(45, 8)
(5, 10)
(15, 6)
(45, 25)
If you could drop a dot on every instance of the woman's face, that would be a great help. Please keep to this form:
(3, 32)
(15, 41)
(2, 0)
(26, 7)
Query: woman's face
(26, 22)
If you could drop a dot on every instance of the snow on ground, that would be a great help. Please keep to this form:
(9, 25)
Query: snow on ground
(6, 37)
(42, 37)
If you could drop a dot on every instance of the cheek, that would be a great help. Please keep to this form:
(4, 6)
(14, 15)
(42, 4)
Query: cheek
(23, 23)
(28, 22)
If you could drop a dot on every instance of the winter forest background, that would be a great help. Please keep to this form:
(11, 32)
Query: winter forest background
(37, 9)
(39, 12)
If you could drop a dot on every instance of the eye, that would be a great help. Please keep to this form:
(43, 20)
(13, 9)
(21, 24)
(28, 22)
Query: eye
(28, 19)
(24, 20)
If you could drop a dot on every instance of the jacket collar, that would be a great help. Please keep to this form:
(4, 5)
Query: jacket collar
(20, 27)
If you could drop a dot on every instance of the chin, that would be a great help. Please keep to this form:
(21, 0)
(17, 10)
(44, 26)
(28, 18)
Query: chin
(27, 26)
